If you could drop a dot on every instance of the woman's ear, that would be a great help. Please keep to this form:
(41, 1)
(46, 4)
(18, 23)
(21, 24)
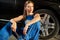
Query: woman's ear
(24, 8)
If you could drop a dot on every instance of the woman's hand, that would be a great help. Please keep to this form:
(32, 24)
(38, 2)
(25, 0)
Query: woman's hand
(14, 25)
(25, 29)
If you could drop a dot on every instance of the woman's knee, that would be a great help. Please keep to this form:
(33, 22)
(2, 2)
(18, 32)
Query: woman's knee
(7, 27)
(6, 31)
(39, 24)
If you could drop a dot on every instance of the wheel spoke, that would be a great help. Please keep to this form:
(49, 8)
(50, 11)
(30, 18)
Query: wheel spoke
(43, 32)
(44, 18)
(46, 31)
(51, 25)
(47, 19)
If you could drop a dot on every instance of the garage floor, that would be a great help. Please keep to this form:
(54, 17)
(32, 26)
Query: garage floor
(57, 38)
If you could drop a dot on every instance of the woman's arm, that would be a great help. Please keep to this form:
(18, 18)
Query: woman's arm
(14, 24)
(16, 19)
(35, 19)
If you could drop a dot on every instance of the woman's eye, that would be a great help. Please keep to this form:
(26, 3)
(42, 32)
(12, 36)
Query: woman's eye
(28, 6)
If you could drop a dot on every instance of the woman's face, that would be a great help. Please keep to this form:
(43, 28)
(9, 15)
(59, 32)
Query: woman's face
(29, 7)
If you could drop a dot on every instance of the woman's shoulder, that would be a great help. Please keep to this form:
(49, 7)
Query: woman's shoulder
(36, 14)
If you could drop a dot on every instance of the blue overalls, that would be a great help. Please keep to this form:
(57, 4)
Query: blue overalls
(32, 32)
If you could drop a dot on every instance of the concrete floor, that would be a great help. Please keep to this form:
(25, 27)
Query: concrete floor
(12, 38)
(57, 38)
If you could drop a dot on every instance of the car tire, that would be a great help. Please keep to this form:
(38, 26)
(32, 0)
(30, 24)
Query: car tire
(56, 30)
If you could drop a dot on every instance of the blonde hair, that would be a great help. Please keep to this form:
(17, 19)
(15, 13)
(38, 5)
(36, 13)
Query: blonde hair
(25, 13)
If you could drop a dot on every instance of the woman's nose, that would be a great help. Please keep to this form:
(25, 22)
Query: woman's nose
(30, 8)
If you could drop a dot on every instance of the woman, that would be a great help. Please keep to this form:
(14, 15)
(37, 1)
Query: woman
(32, 24)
